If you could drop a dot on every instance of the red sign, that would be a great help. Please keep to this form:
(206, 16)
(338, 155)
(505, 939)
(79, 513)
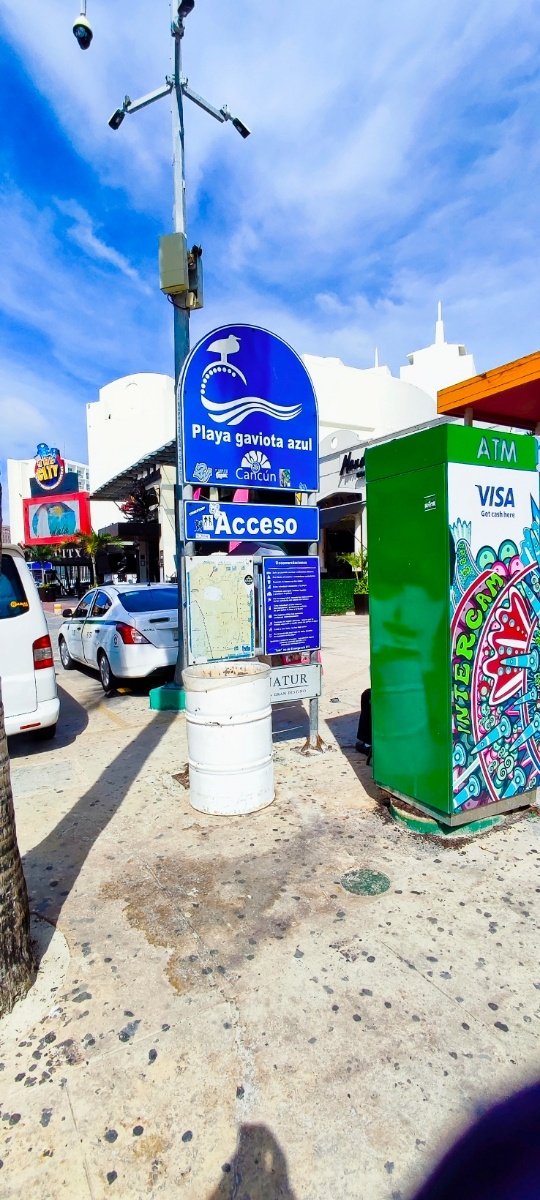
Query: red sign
(62, 519)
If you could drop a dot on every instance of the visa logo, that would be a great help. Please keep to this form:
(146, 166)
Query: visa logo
(496, 497)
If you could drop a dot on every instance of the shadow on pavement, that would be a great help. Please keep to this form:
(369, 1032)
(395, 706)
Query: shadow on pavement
(72, 722)
(139, 687)
(289, 721)
(344, 730)
(258, 1169)
(56, 862)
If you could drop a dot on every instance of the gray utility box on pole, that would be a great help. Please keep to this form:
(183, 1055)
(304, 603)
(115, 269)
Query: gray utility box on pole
(173, 264)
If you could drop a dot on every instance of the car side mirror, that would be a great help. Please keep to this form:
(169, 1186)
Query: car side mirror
(68, 612)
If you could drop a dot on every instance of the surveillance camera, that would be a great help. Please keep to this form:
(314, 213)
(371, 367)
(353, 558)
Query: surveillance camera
(116, 120)
(82, 30)
(242, 129)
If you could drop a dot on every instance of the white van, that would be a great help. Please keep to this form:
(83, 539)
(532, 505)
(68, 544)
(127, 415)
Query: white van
(27, 674)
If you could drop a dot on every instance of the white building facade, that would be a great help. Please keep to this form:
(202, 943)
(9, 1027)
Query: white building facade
(131, 431)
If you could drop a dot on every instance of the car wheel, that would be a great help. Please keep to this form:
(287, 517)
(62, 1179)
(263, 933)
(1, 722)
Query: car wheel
(107, 676)
(46, 733)
(65, 657)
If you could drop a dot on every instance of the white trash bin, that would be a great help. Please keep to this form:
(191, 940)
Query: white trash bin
(229, 732)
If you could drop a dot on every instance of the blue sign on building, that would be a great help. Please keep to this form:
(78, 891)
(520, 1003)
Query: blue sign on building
(250, 413)
(292, 605)
(207, 521)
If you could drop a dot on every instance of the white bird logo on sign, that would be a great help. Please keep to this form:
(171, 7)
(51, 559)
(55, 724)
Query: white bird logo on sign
(233, 412)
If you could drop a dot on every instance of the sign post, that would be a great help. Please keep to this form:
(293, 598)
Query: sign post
(248, 414)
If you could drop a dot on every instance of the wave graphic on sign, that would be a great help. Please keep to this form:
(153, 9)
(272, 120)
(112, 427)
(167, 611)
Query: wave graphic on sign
(233, 412)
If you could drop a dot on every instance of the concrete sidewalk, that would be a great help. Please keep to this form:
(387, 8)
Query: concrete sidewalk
(227, 1020)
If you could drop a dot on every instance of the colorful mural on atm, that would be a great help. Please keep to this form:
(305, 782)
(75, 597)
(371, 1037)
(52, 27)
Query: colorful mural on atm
(495, 599)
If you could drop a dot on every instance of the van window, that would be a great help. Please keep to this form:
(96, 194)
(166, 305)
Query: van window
(13, 599)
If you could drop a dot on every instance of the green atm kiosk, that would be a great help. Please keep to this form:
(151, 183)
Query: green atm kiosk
(454, 582)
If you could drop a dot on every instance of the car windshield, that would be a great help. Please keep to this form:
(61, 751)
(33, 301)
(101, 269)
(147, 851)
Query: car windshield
(150, 599)
(13, 599)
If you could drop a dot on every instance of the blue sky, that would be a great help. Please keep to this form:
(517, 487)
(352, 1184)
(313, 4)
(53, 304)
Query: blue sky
(394, 161)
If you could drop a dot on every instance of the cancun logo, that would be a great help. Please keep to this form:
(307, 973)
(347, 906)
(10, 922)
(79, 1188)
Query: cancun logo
(256, 460)
(255, 467)
(234, 411)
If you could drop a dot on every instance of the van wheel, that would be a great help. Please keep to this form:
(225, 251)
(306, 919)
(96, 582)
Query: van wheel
(65, 656)
(107, 676)
(46, 733)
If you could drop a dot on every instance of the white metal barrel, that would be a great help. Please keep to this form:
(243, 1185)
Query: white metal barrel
(229, 732)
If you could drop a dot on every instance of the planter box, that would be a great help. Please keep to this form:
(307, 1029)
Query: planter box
(361, 603)
(50, 593)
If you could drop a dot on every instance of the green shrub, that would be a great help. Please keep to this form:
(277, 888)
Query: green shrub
(337, 596)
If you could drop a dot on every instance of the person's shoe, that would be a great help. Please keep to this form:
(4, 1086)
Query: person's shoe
(363, 747)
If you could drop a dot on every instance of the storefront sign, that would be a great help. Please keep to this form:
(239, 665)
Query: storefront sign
(207, 521)
(250, 413)
(291, 604)
(350, 466)
(342, 464)
(295, 682)
(49, 468)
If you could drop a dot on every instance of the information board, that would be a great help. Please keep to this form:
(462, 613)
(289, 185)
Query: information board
(212, 521)
(291, 604)
(220, 608)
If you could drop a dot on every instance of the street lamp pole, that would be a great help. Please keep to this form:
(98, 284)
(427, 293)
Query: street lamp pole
(181, 332)
(181, 278)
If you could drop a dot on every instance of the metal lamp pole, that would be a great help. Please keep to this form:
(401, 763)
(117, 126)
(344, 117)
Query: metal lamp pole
(184, 285)
(181, 332)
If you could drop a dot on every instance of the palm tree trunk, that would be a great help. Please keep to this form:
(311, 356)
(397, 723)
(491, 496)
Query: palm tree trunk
(94, 572)
(17, 967)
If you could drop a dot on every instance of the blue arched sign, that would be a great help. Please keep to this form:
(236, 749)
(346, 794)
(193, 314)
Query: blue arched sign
(249, 413)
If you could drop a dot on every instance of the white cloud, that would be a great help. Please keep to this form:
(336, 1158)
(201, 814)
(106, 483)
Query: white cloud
(91, 318)
(393, 161)
(83, 234)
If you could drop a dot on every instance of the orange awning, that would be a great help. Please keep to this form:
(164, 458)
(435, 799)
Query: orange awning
(507, 395)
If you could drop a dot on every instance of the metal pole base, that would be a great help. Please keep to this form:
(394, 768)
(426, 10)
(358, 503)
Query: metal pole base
(168, 698)
(314, 746)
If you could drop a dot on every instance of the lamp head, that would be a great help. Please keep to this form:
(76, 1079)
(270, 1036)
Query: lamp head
(82, 31)
(116, 120)
(239, 125)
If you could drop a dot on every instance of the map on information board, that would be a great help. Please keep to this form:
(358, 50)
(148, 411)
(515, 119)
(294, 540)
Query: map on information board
(220, 608)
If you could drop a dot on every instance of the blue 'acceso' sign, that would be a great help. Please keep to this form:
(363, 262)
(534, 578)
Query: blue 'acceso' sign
(207, 521)
(250, 413)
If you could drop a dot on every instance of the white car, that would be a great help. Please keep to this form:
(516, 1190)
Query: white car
(29, 692)
(123, 630)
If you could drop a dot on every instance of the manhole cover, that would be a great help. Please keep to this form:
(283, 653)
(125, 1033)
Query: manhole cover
(365, 883)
